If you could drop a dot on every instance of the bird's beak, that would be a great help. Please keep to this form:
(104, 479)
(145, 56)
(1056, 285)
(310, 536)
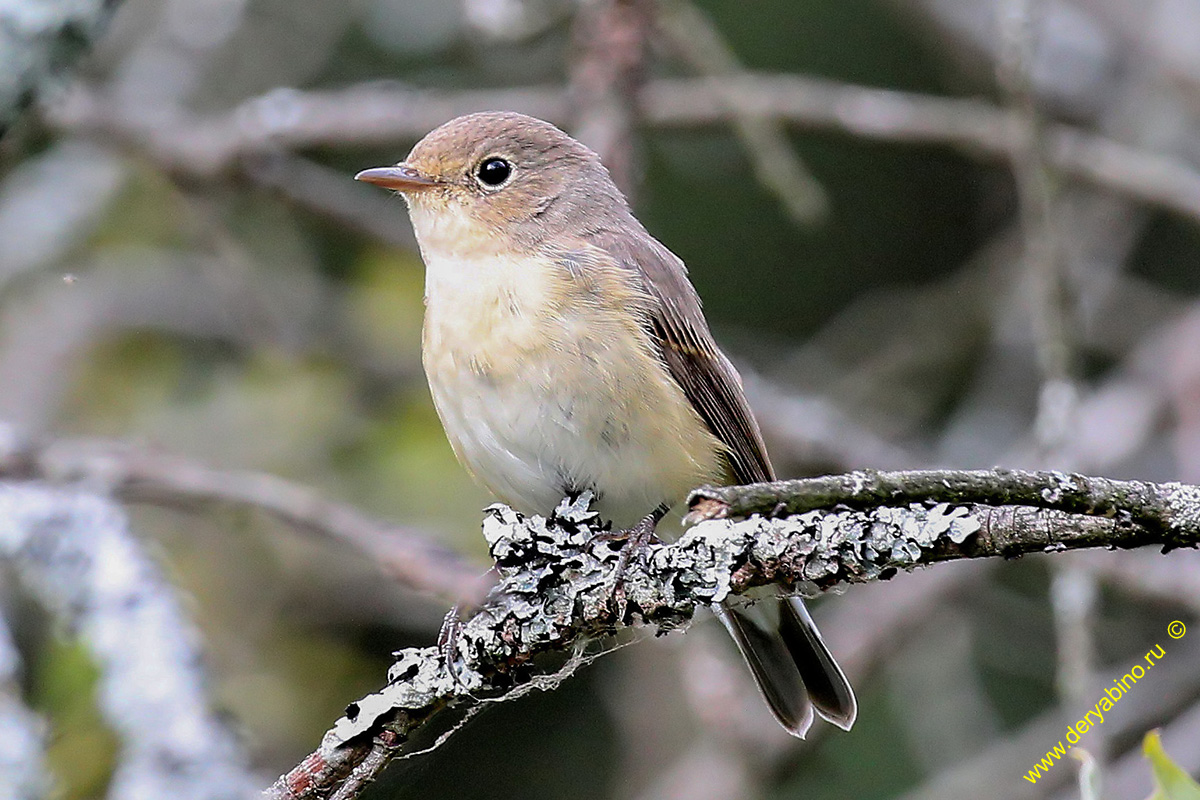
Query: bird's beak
(401, 177)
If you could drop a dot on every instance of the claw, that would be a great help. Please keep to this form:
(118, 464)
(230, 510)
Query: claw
(447, 641)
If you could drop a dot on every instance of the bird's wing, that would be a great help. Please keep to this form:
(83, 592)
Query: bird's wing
(678, 329)
(792, 666)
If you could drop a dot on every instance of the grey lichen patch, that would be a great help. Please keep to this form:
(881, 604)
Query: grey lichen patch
(557, 585)
(1183, 510)
(1062, 484)
(416, 682)
(702, 561)
(552, 574)
(825, 547)
(955, 522)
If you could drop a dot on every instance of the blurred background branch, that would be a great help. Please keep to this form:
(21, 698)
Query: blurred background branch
(208, 146)
(75, 554)
(138, 475)
(39, 42)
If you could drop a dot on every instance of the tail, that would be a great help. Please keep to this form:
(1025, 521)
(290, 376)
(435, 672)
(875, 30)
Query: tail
(792, 666)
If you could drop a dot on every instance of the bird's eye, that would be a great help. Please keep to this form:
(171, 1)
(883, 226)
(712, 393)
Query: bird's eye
(493, 171)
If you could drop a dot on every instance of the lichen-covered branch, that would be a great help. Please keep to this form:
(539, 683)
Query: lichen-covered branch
(73, 551)
(555, 591)
(1168, 510)
(38, 41)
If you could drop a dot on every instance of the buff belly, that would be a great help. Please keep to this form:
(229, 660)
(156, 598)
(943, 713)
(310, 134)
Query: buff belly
(546, 386)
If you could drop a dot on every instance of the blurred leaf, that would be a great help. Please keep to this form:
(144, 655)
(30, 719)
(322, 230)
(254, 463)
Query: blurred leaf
(82, 750)
(1170, 781)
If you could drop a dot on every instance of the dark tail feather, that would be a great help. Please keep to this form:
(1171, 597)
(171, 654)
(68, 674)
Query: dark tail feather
(773, 667)
(827, 686)
(792, 666)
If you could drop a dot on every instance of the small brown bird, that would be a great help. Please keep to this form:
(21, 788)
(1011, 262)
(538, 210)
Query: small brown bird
(566, 351)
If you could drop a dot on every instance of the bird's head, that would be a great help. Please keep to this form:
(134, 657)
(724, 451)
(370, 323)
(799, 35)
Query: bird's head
(500, 180)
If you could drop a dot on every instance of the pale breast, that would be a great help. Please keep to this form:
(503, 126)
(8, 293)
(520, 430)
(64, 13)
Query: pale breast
(546, 383)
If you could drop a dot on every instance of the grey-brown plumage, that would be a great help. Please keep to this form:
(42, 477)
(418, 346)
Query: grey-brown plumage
(566, 349)
(784, 649)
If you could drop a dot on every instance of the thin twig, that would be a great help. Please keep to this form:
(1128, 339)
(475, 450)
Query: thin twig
(1073, 589)
(326, 192)
(1037, 191)
(368, 769)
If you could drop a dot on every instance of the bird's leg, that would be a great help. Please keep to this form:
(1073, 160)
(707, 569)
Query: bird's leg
(637, 540)
(452, 628)
(447, 641)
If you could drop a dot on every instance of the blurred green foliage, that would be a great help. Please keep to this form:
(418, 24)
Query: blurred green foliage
(81, 749)
(1170, 781)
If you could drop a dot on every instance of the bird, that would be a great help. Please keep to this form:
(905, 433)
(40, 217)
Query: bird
(566, 351)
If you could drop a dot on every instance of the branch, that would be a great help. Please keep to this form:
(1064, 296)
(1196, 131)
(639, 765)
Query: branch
(607, 67)
(386, 113)
(74, 552)
(976, 126)
(326, 192)
(555, 593)
(140, 475)
(1166, 509)
(777, 166)
(38, 41)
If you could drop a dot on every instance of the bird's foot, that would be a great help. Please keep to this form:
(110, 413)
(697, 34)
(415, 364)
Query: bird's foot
(637, 541)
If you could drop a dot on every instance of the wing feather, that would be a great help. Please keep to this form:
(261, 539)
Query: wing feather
(678, 329)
